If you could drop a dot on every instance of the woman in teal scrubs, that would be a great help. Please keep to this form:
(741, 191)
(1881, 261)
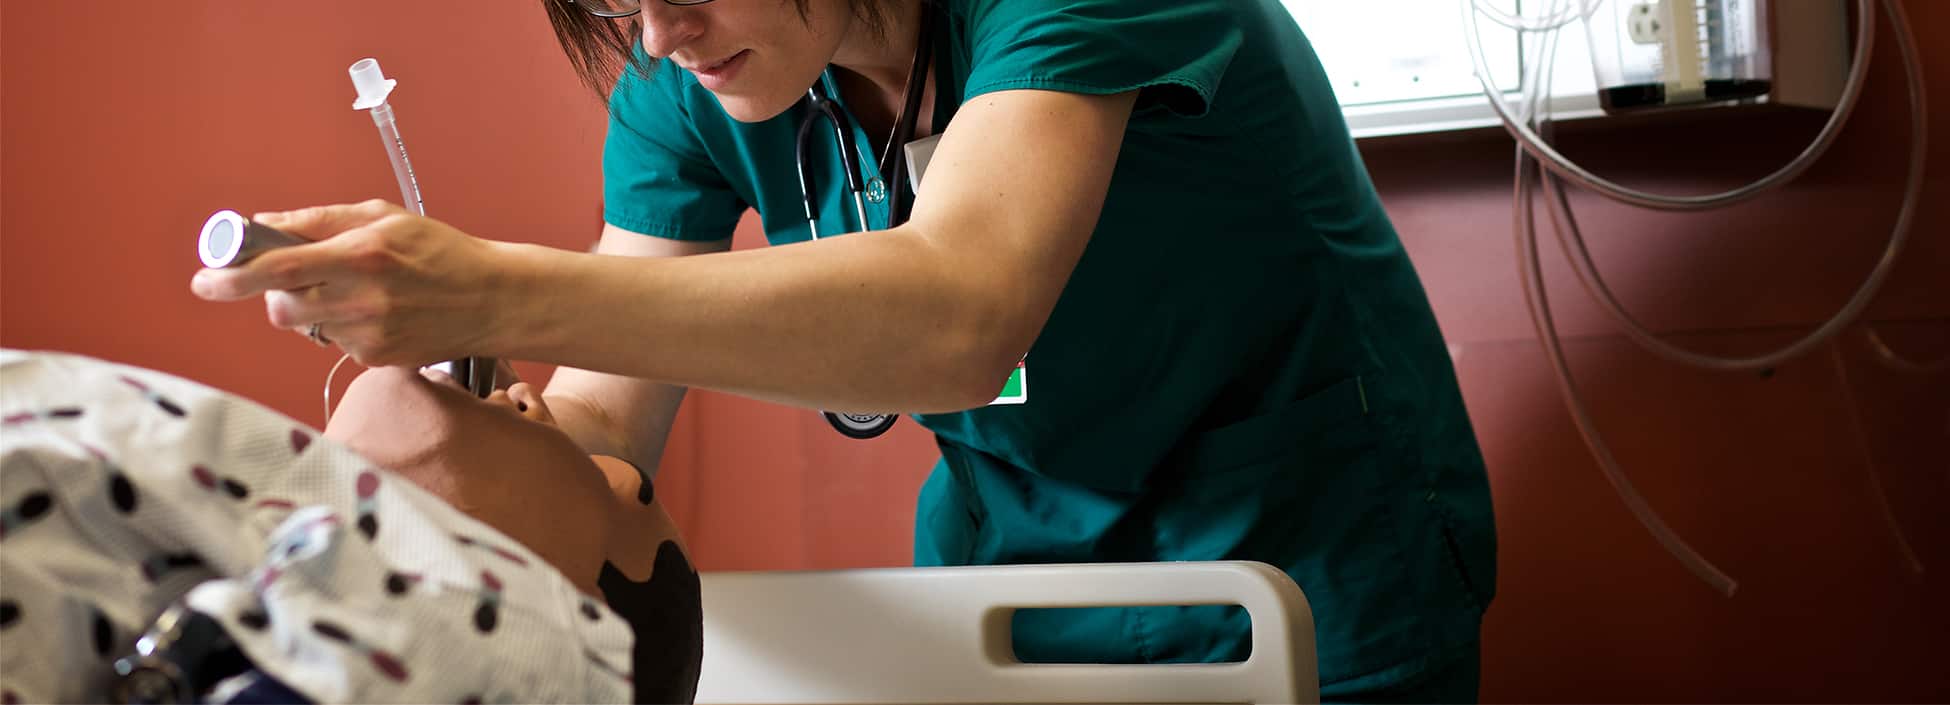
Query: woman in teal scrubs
(1152, 207)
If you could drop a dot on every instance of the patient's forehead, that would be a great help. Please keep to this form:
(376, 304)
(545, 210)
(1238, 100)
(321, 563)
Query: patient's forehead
(393, 406)
(388, 383)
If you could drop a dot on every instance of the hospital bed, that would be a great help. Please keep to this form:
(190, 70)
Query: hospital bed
(941, 635)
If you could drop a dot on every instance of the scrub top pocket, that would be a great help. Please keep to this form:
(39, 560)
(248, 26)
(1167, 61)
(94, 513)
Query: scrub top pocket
(1309, 481)
(1233, 488)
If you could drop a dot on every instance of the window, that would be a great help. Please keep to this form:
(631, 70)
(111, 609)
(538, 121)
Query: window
(1402, 66)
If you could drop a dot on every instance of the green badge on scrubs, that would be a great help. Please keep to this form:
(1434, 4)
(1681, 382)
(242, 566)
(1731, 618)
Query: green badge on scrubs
(1016, 390)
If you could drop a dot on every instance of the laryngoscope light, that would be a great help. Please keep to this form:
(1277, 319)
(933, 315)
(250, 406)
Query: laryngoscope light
(229, 238)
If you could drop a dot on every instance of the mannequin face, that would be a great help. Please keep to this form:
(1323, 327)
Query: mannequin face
(501, 460)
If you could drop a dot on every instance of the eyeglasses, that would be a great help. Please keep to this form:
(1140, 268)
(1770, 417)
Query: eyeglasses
(612, 9)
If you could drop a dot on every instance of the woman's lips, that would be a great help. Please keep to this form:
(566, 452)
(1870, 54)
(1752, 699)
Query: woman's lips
(719, 75)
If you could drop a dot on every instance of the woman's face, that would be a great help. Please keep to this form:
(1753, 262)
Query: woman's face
(757, 56)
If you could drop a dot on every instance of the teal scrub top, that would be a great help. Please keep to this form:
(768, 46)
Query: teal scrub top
(1242, 366)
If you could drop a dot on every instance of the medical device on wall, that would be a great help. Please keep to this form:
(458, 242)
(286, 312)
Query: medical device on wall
(1397, 70)
(1670, 53)
(476, 373)
(1655, 53)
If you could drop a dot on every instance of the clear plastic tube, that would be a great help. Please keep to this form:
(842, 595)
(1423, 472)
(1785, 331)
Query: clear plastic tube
(475, 373)
(409, 186)
(1538, 299)
(373, 88)
(1896, 361)
(1572, 237)
(1876, 489)
(1534, 293)
(1551, 21)
(1531, 145)
(1558, 164)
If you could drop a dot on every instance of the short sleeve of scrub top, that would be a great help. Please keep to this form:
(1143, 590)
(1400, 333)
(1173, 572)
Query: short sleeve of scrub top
(659, 178)
(1176, 52)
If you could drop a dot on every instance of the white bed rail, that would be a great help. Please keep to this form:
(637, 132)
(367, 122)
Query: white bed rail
(941, 635)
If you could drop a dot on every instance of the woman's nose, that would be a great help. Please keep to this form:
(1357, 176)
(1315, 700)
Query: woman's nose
(667, 27)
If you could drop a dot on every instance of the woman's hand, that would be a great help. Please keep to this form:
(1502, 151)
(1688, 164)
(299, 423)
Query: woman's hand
(389, 287)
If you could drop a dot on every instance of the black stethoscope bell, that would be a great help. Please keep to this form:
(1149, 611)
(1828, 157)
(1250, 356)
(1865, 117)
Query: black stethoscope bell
(860, 426)
(183, 655)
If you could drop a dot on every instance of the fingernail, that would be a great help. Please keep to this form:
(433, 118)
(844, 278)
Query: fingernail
(271, 218)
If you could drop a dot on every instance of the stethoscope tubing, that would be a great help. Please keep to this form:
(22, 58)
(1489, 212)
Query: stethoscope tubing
(819, 106)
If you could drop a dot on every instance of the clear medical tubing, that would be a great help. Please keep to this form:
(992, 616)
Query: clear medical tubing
(1553, 21)
(1895, 361)
(1558, 164)
(1536, 297)
(1861, 433)
(1572, 239)
(373, 87)
(1581, 262)
(1540, 305)
(409, 187)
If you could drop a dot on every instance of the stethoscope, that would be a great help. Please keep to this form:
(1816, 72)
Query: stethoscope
(818, 104)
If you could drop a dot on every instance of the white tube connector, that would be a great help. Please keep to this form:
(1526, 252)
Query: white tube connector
(372, 84)
(374, 87)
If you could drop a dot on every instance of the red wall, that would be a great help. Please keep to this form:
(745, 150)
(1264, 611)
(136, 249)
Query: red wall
(126, 123)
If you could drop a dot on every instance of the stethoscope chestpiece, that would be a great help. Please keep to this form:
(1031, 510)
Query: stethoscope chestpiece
(861, 426)
(183, 654)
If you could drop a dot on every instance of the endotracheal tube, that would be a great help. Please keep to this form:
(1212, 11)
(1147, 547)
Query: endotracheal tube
(373, 88)
(476, 373)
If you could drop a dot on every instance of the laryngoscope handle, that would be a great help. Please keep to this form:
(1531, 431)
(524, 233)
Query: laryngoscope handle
(229, 239)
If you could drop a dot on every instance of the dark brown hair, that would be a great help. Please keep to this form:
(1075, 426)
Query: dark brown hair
(600, 49)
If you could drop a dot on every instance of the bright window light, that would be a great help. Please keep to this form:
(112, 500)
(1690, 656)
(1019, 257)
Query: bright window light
(1402, 66)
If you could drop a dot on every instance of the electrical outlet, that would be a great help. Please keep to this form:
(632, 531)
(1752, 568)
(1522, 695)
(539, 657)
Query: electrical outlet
(1643, 23)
